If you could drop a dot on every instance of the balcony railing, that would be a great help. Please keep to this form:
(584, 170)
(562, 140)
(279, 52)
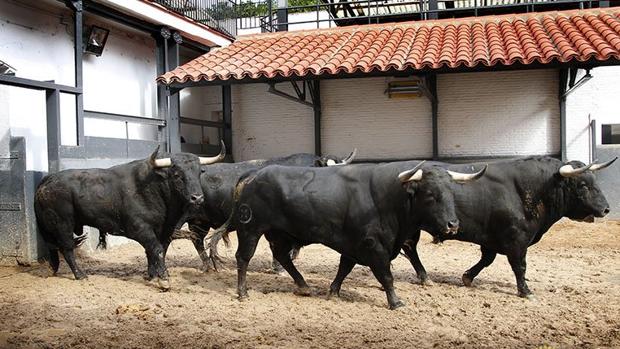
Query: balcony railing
(217, 14)
(264, 13)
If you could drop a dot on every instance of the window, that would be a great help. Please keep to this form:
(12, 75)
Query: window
(611, 134)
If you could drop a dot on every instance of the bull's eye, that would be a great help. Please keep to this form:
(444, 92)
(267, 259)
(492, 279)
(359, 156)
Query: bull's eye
(177, 175)
(203, 170)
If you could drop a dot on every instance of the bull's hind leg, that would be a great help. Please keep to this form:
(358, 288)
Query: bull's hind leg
(245, 251)
(70, 258)
(281, 249)
(54, 260)
(517, 263)
(486, 259)
(344, 269)
(410, 249)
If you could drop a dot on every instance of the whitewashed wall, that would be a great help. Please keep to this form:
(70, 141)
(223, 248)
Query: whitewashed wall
(36, 37)
(358, 114)
(499, 113)
(595, 100)
(265, 125)
(480, 114)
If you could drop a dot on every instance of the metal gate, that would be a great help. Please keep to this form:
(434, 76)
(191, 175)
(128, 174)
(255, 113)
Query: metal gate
(12, 200)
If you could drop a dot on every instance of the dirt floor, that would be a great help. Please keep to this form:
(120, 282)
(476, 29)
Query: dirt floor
(574, 272)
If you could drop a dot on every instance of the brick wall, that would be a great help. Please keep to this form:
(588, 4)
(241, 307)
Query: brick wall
(358, 113)
(499, 113)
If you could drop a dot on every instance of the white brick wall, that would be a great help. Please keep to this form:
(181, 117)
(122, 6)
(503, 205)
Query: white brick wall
(357, 113)
(266, 125)
(595, 100)
(499, 113)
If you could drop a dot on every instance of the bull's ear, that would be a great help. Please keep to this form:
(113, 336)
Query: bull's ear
(319, 162)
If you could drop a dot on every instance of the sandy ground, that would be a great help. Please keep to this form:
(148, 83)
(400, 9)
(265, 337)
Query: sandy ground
(574, 272)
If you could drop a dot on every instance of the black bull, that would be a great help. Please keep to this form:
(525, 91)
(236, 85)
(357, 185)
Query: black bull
(509, 209)
(143, 200)
(218, 184)
(513, 205)
(361, 211)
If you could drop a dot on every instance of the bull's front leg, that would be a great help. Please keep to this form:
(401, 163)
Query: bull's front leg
(410, 249)
(155, 255)
(248, 240)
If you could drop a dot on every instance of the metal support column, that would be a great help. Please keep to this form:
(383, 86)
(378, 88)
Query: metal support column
(161, 49)
(562, 96)
(77, 57)
(172, 119)
(227, 118)
(433, 6)
(52, 105)
(431, 80)
(282, 15)
(315, 88)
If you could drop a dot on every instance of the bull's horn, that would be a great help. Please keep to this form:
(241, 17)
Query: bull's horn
(596, 167)
(159, 163)
(214, 159)
(348, 160)
(415, 174)
(466, 177)
(569, 171)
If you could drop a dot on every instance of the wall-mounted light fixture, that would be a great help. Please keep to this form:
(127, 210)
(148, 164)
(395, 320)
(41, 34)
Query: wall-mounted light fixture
(95, 38)
(408, 89)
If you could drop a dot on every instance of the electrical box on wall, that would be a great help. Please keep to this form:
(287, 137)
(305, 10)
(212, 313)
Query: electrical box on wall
(405, 89)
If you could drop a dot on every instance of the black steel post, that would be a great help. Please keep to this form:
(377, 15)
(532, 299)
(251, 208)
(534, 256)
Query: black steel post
(172, 119)
(593, 140)
(162, 103)
(432, 9)
(282, 15)
(227, 118)
(432, 87)
(78, 48)
(52, 106)
(316, 106)
(562, 90)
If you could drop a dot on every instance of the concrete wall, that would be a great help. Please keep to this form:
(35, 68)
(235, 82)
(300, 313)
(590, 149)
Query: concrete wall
(499, 113)
(39, 44)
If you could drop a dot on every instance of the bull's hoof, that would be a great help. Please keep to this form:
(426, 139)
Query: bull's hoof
(333, 293)
(81, 276)
(303, 291)
(426, 282)
(163, 284)
(528, 296)
(467, 280)
(397, 304)
(243, 297)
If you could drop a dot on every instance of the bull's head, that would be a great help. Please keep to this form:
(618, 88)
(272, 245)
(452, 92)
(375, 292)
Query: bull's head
(431, 197)
(182, 170)
(585, 198)
(330, 160)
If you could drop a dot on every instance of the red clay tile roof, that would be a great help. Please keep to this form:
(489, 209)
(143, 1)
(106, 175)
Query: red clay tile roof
(577, 35)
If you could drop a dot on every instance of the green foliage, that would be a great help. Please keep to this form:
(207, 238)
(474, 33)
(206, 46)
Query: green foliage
(254, 9)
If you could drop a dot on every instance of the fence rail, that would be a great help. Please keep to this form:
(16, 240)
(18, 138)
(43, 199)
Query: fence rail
(220, 15)
(265, 13)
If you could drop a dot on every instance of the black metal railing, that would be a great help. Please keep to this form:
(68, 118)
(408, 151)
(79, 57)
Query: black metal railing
(264, 13)
(220, 15)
